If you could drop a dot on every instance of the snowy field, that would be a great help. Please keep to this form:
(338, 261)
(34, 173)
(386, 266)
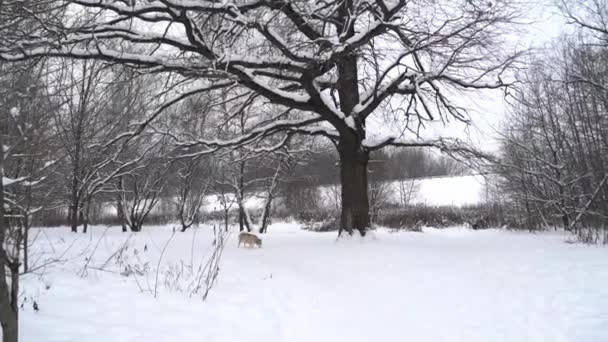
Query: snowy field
(435, 191)
(448, 191)
(432, 191)
(440, 285)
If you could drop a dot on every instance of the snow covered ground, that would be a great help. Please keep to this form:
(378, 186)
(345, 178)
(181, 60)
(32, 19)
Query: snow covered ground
(440, 285)
(433, 191)
(454, 190)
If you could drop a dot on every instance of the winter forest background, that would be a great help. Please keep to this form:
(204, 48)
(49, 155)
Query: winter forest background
(354, 116)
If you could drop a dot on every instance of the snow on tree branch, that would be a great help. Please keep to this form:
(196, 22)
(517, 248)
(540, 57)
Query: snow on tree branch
(284, 49)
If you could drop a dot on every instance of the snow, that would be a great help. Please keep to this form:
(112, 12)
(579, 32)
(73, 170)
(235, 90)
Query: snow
(302, 98)
(331, 132)
(375, 141)
(350, 122)
(456, 191)
(328, 102)
(6, 181)
(435, 191)
(440, 285)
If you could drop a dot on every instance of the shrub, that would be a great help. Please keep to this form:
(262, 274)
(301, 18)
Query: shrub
(416, 216)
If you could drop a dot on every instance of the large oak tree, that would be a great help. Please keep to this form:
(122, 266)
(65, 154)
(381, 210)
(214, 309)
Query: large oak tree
(334, 64)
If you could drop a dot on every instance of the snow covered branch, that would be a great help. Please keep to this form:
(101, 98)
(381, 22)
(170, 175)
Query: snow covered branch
(281, 48)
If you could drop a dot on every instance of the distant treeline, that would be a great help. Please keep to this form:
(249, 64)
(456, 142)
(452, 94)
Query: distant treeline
(389, 164)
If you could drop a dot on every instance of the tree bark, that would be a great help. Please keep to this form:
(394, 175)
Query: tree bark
(269, 198)
(185, 225)
(75, 196)
(85, 221)
(243, 221)
(74, 214)
(9, 319)
(226, 220)
(119, 205)
(266, 215)
(135, 227)
(353, 156)
(353, 179)
(26, 237)
(241, 218)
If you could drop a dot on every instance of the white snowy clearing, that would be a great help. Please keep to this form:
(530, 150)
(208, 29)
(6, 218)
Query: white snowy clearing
(440, 285)
(433, 191)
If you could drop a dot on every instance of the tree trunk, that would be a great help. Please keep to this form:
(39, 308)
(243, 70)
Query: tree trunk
(185, 226)
(85, 221)
(121, 217)
(241, 196)
(353, 179)
(136, 223)
(353, 157)
(266, 215)
(26, 237)
(74, 214)
(244, 218)
(241, 219)
(226, 220)
(566, 222)
(74, 196)
(9, 319)
(119, 206)
(14, 269)
(269, 198)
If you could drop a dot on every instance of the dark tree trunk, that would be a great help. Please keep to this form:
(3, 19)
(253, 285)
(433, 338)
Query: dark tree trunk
(9, 319)
(269, 198)
(14, 268)
(121, 217)
(85, 218)
(226, 220)
(353, 179)
(241, 219)
(26, 237)
(8, 313)
(135, 227)
(243, 222)
(353, 157)
(566, 222)
(266, 215)
(74, 195)
(119, 206)
(74, 214)
(136, 222)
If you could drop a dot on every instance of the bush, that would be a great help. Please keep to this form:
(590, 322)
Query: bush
(51, 218)
(327, 225)
(414, 217)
